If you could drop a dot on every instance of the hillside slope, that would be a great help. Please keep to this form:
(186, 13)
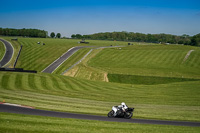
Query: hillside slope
(176, 101)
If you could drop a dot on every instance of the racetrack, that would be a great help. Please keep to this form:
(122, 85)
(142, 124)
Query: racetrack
(52, 67)
(8, 55)
(31, 111)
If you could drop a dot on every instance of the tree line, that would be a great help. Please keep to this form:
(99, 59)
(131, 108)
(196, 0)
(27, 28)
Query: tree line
(23, 32)
(119, 36)
(140, 37)
(27, 33)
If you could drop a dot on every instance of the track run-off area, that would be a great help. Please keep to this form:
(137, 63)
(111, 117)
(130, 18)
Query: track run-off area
(18, 109)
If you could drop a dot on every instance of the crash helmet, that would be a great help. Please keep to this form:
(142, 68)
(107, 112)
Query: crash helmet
(123, 104)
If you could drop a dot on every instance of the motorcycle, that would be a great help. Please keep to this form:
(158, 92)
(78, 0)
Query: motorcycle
(128, 113)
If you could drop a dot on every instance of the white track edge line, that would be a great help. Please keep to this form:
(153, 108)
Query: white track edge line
(57, 59)
(12, 53)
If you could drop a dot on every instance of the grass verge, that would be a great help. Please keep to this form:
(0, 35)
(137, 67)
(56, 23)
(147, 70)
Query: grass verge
(175, 101)
(71, 60)
(16, 46)
(2, 50)
(26, 123)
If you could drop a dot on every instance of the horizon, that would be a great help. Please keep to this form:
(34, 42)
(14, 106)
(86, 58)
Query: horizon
(89, 17)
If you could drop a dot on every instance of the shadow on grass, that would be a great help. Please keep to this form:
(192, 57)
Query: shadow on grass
(145, 80)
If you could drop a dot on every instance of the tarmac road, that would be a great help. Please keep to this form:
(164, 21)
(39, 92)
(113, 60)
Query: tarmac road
(30, 111)
(8, 55)
(52, 67)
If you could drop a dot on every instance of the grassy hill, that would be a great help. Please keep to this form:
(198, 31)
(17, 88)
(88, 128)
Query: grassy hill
(2, 50)
(32, 124)
(16, 47)
(154, 61)
(159, 60)
(37, 57)
(154, 79)
(177, 101)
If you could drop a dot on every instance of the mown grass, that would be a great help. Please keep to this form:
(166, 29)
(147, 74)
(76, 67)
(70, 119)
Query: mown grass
(158, 60)
(175, 101)
(2, 50)
(16, 47)
(82, 70)
(37, 56)
(85, 72)
(168, 101)
(26, 123)
(146, 80)
(71, 60)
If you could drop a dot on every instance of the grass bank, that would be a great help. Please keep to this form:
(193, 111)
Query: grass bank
(16, 47)
(175, 101)
(72, 60)
(26, 123)
(37, 57)
(2, 50)
(156, 60)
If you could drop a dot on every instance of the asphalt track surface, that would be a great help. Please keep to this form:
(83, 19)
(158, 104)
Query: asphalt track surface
(31, 111)
(52, 67)
(9, 53)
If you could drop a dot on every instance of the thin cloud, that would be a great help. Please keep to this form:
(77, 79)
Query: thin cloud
(198, 14)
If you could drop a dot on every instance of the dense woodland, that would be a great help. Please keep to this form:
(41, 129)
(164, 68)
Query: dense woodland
(23, 32)
(140, 37)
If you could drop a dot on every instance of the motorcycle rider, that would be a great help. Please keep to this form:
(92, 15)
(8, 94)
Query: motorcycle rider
(122, 107)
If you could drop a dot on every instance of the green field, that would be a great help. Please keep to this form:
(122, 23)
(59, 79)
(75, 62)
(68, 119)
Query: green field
(2, 50)
(154, 79)
(72, 60)
(37, 57)
(145, 80)
(175, 101)
(25, 123)
(152, 63)
(16, 47)
(158, 60)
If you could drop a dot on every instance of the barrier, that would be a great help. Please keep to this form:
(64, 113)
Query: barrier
(17, 70)
(18, 56)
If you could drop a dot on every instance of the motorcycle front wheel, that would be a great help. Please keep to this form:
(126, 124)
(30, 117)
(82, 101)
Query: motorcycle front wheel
(128, 115)
(111, 113)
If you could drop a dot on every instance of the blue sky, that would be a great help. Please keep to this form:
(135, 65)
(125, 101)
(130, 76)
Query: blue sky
(92, 16)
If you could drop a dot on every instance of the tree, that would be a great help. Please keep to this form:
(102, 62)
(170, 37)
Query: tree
(195, 40)
(43, 34)
(79, 36)
(73, 36)
(58, 35)
(52, 34)
(23, 32)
